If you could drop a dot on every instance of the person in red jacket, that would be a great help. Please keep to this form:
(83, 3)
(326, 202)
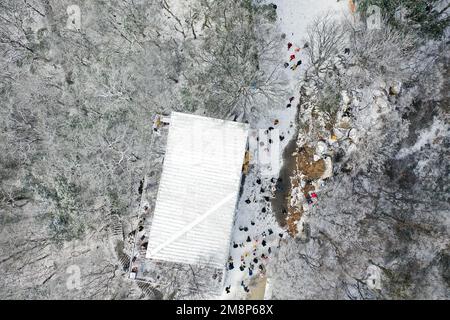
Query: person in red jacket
(292, 57)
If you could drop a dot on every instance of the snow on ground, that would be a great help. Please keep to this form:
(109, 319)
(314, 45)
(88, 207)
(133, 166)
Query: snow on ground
(74, 19)
(255, 222)
(427, 136)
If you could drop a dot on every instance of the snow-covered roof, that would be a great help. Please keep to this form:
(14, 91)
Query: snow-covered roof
(198, 190)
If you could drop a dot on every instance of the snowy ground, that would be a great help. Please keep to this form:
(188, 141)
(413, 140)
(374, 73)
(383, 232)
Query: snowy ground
(254, 219)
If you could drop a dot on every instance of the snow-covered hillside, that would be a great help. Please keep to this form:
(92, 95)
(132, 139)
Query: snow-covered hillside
(345, 193)
(255, 219)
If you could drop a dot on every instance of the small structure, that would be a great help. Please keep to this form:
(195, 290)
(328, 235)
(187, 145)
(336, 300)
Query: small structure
(191, 223)
(198, 190)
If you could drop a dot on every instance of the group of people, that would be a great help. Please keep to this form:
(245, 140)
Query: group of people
(290, 102)
(292, 56)
(253, 259)
(311, 198)
(266, 196)
(243, 285)
(256, 248)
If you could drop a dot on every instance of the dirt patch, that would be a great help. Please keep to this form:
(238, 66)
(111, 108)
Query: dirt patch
(308, 188)
(246, 164)
(311, 170)
(294, 216)
(297, 162)
(257, 289)
(306, 165)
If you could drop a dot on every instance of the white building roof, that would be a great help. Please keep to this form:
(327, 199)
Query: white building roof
(198, 190)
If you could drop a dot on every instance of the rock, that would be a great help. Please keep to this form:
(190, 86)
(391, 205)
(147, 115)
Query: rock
(344, 123)
(381, 103)
(345, 98)
(328, 168)
(352, 134)
(333, 138)
(321, 148)
(395, 89)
